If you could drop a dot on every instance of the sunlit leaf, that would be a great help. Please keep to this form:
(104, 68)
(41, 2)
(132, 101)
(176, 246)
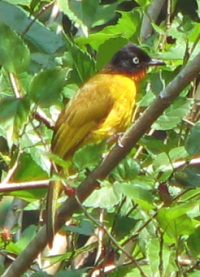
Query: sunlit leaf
(175, 221)
(126, 27)
(28, 170)
(105, 197)
(174, 114)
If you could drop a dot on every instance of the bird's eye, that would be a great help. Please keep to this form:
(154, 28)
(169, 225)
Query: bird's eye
(136, 60)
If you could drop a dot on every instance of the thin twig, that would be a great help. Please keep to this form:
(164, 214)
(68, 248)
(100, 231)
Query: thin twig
(44, 8)
(23, 185)
(161, 252)
(40, 116)
(15, 85)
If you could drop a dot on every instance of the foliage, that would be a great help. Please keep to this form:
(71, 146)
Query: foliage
(148, 207)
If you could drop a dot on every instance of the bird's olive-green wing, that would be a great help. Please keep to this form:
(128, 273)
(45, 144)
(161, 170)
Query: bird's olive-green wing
(83, 114)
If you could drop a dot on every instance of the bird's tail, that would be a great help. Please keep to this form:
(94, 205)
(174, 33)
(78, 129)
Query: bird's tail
(52, 197)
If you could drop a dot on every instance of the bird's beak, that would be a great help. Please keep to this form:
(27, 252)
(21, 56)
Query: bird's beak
(155, 63)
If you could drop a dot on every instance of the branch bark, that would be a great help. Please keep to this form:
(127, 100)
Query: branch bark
(152, 14)
(166, 97)
(23, 186)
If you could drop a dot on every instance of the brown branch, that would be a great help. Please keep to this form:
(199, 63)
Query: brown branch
(166, 97)
(23, 186)
(40, 116)
(152, 14)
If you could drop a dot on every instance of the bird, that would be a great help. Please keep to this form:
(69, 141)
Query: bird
(102, 108)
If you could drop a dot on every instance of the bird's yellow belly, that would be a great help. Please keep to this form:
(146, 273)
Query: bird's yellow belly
(123, 91)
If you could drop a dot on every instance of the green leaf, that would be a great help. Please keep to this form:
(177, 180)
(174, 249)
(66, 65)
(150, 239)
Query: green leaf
(188, 177)
(24, 240)
(29, 195)
(53, 259)
(195, 273)
(5, 85)
(70, 90)
(194, 33)
(41, 61)
(105, 198)
(175, 221)
(34, 146)
(89, 13)
(162, 163)
(153, 250)
(174, 114)
(38, 36)
(18, 2)
(13, 116)
(39, 274)
(82, 63)
(14, 54)
(45, 88)
(156, 81)
(139, 195)
(26, 236)
(153, 145)
(107, 50)
(86, 228)
(128, 169)
(153, 253)
(89, 155)
(147, 99)
(143, 3)
(125, 271)
(192, 143)
(158, 29)
(28, 170)
(193, 242)
(178, 153)
(123, 226)
(126, 27)
(72, 273)
(175, 53)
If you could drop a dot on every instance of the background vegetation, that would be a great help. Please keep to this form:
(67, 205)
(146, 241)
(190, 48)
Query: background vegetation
(144, 218)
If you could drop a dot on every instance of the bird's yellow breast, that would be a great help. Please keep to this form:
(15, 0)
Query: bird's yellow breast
(122, 90)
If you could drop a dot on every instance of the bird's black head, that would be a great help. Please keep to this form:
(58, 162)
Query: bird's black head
(131, 59)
